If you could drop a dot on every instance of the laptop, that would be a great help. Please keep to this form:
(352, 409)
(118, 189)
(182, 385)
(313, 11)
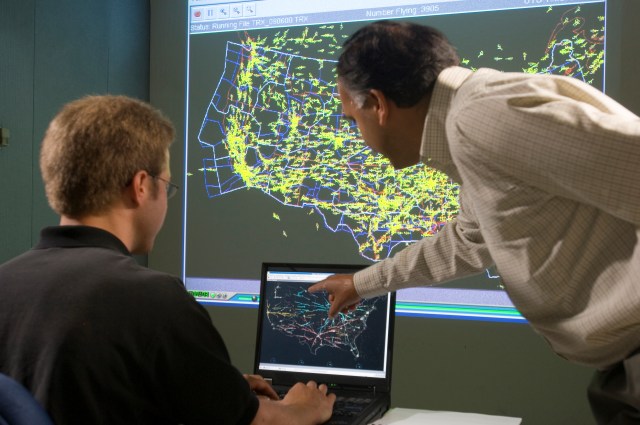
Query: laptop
(297, 342)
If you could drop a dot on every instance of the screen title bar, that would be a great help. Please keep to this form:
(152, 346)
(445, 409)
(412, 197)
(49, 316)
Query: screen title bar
(217, 16)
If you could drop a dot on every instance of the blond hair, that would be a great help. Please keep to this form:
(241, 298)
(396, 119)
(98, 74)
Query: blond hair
(93, 148)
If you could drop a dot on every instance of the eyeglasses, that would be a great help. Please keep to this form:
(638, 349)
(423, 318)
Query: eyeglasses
(172, 188)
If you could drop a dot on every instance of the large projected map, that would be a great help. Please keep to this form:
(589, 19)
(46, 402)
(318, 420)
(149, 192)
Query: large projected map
(274, 125)
(267, 137)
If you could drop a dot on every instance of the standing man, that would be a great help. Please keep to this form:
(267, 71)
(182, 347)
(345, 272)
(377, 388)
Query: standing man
(549, 174)
(97, 338)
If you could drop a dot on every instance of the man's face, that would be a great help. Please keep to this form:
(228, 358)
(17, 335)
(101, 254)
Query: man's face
(155, 209)
(395, 133)
(364, 117)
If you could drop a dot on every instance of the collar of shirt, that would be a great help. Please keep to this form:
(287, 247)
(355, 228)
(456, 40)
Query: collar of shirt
(434, 150)
(79, 236)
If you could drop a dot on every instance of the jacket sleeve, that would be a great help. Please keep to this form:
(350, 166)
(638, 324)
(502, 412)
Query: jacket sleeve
(456, 250)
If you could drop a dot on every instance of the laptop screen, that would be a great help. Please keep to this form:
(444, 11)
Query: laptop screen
(297, 339)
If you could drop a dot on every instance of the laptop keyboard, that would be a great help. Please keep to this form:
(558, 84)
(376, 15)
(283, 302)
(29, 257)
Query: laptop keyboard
(344, 408)
(349, 406)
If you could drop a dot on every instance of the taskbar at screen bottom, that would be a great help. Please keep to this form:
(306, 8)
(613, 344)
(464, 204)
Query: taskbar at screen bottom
(435, 302)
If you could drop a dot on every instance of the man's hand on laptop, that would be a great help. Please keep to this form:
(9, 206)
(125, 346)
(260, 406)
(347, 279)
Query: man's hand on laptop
(341, 293)
(310, 401)
(304, 404)
(261, 387)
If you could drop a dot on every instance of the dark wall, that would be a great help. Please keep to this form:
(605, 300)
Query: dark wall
(52, 52)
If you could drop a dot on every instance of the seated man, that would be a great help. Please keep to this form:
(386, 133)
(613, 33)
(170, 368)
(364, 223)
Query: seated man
(97, 338)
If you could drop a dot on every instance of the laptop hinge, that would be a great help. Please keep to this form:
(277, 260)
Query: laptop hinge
(351, 388)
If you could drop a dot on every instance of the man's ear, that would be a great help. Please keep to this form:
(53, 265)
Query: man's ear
(138, 189)
(380, 104)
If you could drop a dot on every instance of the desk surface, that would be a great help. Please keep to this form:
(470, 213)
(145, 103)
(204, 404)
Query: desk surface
(400, 416)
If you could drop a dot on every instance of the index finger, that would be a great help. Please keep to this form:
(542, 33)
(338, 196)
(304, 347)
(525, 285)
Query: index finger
(318, 286)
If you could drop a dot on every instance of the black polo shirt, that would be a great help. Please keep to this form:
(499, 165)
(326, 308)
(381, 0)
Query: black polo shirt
(100, 339)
